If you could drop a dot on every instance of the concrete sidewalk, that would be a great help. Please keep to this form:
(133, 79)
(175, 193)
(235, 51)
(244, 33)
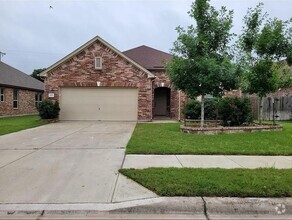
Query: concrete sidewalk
(207, 161)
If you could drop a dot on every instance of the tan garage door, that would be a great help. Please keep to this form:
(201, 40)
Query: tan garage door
(117, 104)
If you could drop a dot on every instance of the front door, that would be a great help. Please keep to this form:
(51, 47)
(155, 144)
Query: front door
(160, 101)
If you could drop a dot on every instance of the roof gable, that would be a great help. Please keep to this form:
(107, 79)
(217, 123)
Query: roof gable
(9, 76)
(148, 57)
(88, 44)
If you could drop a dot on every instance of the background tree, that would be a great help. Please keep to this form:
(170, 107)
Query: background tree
(201, 61)
(36, 72)
(262, 45)
(285, 74)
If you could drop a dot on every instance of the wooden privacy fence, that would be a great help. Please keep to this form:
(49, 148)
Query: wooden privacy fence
(282, 109)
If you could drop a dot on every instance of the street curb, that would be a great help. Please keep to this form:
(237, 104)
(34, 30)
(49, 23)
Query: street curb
(193, 207)
(277, 207)
(162, 205)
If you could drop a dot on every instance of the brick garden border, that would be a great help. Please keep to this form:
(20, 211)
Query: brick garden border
(230, 130)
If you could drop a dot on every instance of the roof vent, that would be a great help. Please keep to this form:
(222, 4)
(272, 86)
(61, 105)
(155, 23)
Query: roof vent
(98, 63)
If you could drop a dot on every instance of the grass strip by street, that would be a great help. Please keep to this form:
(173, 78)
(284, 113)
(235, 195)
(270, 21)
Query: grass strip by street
(166, 138)
(18, 123)
(264, 182)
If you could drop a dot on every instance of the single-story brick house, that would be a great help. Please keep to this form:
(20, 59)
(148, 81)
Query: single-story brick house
(19, 92)
(98, 82)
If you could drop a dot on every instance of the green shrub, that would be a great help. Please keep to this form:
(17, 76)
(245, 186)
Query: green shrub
(192, 109)
(235, 110)
(211, 108)
(49, 109)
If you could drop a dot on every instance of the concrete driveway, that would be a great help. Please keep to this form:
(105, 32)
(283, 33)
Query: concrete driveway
(65, 162)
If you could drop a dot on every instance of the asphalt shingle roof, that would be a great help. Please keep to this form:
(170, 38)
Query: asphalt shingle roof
(148, 57)
(10, 76)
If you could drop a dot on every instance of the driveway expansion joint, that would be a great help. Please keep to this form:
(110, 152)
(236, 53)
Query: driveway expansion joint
(234, 161)
(205, 208)
(115, 187)
(38, 149)
(65, 136)
(82, 170)
(179, 161)
(17, 159)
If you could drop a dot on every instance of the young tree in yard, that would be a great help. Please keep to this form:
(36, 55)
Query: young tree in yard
(201, 61)
(262, 45)
(36, 72)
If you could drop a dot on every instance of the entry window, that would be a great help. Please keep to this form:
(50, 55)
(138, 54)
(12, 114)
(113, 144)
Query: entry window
(38, 99)
(15, 98)
(2, 94)
(98, 63)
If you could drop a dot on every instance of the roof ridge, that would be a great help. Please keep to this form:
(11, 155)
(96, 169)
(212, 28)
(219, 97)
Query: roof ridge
(147, 47)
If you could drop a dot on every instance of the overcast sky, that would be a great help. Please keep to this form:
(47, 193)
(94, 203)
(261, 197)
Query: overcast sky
(33, 35)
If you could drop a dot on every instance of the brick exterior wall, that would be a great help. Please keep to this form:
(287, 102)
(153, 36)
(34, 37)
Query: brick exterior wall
(79, 71)
(26, 103)
(233, 93)
(175, 96)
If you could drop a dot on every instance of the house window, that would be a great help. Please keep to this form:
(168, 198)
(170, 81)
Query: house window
(98, 63)
(15, 98)
(2, 94)
(38, 98)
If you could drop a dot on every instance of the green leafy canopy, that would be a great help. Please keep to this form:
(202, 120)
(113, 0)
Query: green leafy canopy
(263, 45)
(36, 72)
(201, 56)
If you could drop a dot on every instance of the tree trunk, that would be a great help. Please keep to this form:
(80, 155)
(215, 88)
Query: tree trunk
(202, 110)
(261, 110)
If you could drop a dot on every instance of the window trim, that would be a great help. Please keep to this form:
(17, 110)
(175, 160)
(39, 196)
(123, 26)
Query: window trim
(38, 98)
(15, 100)
(98, 67)
(2, 94)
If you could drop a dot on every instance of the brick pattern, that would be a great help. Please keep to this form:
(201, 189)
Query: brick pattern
(233, 93)
(26, 103)
(162, 80)
(79, 71)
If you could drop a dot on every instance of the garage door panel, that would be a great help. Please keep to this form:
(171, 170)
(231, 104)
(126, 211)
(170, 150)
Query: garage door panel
(119, 104)
(82, 112)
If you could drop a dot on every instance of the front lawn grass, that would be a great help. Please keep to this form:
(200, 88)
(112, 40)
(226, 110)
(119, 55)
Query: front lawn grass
(13, 124)
(168, 139)
(266, 182)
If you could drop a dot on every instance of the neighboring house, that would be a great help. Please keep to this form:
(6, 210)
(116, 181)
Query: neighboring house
(98, 82)
(19, 92)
